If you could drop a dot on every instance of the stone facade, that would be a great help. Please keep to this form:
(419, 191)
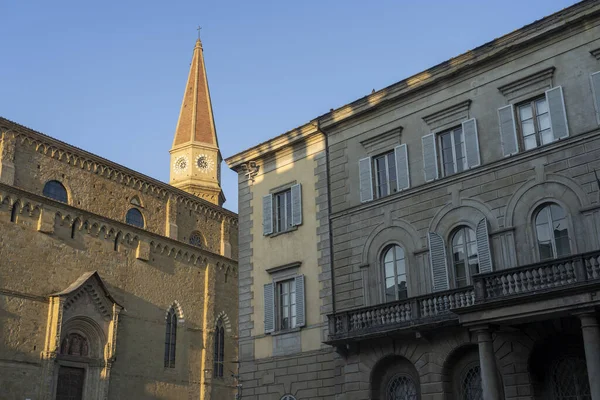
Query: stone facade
(95, 306)
(448, 282)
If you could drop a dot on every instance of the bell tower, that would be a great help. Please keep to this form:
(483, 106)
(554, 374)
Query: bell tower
(195, 156)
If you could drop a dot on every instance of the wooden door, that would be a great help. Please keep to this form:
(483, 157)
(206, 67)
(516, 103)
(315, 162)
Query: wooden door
(70, 383)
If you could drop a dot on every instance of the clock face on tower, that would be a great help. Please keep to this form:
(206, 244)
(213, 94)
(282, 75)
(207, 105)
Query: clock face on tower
(180, 164)
(204, 163)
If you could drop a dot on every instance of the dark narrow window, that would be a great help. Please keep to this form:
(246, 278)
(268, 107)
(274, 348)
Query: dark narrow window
(170, 339)
(55, 190)
(219, 353)
(74, 228)
(134, 217)
(14, 212)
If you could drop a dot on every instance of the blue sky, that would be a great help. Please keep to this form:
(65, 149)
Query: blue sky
(109, 76)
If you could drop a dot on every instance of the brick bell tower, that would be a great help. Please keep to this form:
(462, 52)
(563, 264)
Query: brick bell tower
(195, 156)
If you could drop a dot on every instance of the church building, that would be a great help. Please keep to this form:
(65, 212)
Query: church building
(114, 285)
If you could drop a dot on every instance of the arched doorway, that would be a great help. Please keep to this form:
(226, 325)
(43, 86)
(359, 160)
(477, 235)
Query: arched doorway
(558, 369)
(395, 378)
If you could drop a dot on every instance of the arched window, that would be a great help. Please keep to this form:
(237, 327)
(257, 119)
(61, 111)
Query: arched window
(552, 232)
(401, 387)
(196, 239)
(288, 397)
(464, 256)
(394, 267)
(170, 338)
(470, 383)
(134, 217)
(569, 379)
(219, 355)
(74, 345)
(14, 212)
(55, 190)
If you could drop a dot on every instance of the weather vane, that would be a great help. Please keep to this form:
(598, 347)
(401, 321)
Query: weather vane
(198, 29)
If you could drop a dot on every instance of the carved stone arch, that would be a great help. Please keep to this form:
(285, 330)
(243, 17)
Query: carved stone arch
(398, 233)
(393, 368)
(226, 322)
(527, 200)
(136, 201)
(178, 310)
(522, 194)
(90, 330)
(469, 212)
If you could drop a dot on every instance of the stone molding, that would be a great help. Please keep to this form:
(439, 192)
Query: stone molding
(103, 228)
(448, 116)
(596, 53)
(385, 140)
(531, 84)
(75, 157)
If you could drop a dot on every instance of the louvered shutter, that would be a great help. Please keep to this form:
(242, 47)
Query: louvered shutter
(300, 302)
(269, 307)
(430, 167)
(558, 113)
(469, 128)
(508, 130)
(267, 214)
(437, 259)
(297, 205)
(483, 247)
(402, 174)
(595, 79)
(366, 179)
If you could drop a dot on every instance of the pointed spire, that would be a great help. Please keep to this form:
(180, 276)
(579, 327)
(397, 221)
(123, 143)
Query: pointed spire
(196, 122)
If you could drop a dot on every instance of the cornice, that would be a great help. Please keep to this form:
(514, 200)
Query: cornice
(107, 229)
(77, 157)
(540, 79)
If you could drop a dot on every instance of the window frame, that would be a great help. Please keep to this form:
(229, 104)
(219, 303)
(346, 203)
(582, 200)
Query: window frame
(386, 249)
(287, 194)
(171, 338)
(465, 247)
(291, 307)
(219, 349)
(127, 219)
(546, 206)
(390, 183)
(531, 101)
(47, 189)
(439, 144)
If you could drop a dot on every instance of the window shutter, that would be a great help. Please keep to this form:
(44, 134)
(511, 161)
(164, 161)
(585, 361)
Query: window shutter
(508, 130)
(269, 307)
(469, 128)
(300, 302)
(595, 78)
(297, 205)
(437, 259)
(402, 174)
(267, 214)
(366, 180)
(483, 247)
(430, 167)
(558, 113)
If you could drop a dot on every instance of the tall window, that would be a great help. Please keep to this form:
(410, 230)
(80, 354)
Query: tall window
(385, 174)
(464, 256)
(552, 232)
(134, 217)
(283, 210)
(452, 144)
(534, 122)
(470, 387)
(219, 353)
(286, 304)
(394, 266)
(55, 190)
(196, 239)
(170, 338)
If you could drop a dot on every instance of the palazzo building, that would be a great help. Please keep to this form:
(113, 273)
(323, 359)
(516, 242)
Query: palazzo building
(456, 220)
(114, 285)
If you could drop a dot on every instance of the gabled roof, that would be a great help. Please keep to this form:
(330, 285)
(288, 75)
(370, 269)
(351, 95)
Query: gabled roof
(81, 281)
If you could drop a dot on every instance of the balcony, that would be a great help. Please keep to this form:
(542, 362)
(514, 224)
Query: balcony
(554, 278)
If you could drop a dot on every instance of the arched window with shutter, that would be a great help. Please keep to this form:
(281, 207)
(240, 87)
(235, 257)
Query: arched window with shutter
(219, 349)
(170, 338)
(465, 260)
(394, 271)
(552, 232)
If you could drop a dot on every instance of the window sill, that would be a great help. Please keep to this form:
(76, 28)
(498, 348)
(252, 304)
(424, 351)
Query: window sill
(292, 229)
(283, 332)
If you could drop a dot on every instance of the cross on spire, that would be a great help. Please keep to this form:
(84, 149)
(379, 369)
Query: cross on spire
(198, 29)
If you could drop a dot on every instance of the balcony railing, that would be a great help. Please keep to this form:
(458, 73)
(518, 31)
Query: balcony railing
(540, 277)
(437, 307)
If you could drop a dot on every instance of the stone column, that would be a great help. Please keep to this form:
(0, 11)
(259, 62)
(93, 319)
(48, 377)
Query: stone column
(591, 343)
(487, 360)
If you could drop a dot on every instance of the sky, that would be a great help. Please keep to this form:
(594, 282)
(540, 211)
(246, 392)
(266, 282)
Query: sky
(109, 76)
